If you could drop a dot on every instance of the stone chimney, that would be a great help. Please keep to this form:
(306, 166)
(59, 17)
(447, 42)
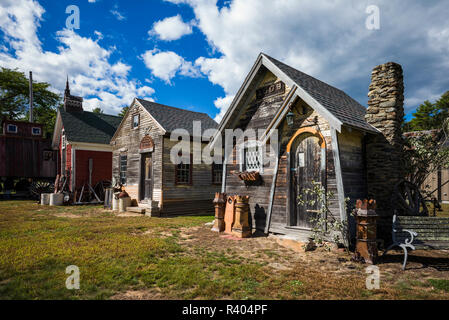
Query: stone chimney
(384, 151)
(72, 103)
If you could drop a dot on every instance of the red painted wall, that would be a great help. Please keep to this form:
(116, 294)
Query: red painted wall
(102, 167)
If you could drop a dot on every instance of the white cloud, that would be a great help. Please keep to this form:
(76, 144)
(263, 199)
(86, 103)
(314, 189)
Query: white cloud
(171, 28)
(92, 1)
(166, 64)
(102, 83)
(117, 13)
(326, 39)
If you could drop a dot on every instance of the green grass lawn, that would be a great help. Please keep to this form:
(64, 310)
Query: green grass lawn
(157, 256)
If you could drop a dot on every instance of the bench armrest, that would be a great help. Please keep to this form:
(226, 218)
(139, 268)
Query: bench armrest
(412, 233)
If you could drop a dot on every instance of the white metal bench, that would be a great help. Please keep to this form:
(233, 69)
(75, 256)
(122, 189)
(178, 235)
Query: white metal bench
(422, 233)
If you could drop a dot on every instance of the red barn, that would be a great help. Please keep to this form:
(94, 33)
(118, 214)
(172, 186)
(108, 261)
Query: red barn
(82, 137)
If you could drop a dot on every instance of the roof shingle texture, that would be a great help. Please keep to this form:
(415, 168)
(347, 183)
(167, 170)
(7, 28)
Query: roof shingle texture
(171, 118)
(342, 106)
(88, 126)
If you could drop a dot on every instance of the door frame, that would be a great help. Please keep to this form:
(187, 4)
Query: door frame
(142, 185)
(301, 134)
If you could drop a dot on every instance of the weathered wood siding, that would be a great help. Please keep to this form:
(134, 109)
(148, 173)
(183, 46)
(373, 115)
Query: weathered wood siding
(127, 141)
(352, 162)
(280, 218)
(257, 115)
(194, 198)
(437, 182)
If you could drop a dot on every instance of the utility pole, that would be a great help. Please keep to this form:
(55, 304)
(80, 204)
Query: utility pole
(31, 97)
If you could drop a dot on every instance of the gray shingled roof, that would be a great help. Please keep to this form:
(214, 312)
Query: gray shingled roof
(342, 106)
(88, 126)
(171, 118)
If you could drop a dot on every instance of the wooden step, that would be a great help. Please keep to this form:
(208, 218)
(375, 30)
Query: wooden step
(136, 209)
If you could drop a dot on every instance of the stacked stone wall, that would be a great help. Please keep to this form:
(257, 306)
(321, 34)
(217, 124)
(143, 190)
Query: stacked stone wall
(384, 151)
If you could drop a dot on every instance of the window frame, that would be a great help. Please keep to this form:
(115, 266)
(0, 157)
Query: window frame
(190, 171)
(36, 134)
(138, 121)
(243, 160)
(123, 174)
(213, 169)
(13, 125)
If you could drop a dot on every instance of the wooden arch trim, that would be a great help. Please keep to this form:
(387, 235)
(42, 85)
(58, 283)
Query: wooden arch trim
(307, 130)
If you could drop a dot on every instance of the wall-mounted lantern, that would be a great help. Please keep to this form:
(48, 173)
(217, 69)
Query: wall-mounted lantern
(290, 117)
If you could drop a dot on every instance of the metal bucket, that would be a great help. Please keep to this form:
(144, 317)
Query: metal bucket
(115, 201)
(123, 204)
(56, 199)
(45, 199)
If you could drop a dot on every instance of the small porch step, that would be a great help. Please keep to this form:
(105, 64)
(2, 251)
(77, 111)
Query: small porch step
(151, 208)
(136, 210)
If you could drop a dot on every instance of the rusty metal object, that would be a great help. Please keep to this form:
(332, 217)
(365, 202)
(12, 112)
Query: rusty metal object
(123, 194)
(241, 227)
(366, 218)
(219, 203)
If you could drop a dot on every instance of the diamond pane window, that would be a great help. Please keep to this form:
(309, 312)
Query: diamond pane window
(253, 158)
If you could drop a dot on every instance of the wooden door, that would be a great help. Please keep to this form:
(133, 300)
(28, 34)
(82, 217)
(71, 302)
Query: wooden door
(307, 168)
(146, 189)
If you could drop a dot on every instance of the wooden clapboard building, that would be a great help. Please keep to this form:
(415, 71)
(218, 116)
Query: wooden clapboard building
(142, 164)
(322, 137)
(82, 140)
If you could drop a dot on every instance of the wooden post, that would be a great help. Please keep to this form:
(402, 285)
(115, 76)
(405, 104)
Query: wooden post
(366, 217)
(219, 203)
(241, 227)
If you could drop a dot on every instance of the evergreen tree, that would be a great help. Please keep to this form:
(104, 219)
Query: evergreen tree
(123, 112)
(425, 117)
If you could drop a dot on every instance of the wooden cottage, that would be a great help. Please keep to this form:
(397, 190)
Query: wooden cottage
(82, 140)
(322, 136)
(142, 163)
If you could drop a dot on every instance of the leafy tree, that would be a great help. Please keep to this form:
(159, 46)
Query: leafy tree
(97, 110)
(14, 99)
(424, 153)
(123, 112)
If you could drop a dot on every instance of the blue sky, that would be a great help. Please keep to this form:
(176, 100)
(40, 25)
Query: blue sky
(195, 54)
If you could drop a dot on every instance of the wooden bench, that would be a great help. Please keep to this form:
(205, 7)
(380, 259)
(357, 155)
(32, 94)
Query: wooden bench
(422, 233)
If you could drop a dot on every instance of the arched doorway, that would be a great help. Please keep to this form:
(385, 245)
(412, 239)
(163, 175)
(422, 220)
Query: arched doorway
(307, 152)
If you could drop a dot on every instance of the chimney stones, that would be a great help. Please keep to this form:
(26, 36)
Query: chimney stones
(384, 151)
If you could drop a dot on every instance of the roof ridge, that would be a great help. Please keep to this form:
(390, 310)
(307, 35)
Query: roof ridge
(166, 106)
(102, 114)
(325, 83)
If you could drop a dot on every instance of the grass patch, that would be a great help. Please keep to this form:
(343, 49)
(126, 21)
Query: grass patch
(134, 254)
(440, 284)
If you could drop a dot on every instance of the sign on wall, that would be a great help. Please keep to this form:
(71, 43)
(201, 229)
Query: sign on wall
(146, 143)
(272, 89)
